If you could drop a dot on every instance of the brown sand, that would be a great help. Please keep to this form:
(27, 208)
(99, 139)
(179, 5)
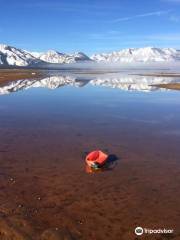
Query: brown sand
(174, 86)
(7, 75)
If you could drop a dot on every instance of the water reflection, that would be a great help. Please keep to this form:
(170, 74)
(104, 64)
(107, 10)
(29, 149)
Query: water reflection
(120, 81)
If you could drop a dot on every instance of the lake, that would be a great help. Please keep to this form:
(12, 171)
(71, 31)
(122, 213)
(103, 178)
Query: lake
(47, 126)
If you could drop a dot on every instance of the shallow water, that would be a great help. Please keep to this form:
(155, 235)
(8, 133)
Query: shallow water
(48, 125)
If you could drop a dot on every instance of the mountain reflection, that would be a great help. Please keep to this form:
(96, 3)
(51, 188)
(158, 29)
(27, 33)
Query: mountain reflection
(123, 82)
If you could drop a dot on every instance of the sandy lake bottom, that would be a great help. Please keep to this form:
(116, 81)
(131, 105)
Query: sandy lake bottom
(47, 127)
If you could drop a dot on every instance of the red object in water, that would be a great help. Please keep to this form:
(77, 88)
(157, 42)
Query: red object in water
(96, 159)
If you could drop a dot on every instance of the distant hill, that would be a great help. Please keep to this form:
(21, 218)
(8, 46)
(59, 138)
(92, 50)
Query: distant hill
(132, 55)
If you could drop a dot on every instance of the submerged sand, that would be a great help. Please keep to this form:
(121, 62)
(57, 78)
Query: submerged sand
(45, 188)
(46, 192)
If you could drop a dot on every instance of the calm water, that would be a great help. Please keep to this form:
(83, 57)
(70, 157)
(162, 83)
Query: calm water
(106, 105)
(48, 125)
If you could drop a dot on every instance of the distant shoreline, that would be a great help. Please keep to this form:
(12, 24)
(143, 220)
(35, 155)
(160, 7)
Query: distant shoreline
(7, 75)
(158, 74)
(172, 86)
(20, 73)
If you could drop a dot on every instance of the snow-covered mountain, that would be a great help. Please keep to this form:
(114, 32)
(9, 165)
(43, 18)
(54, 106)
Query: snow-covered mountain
(52, 56)
(11, 56)
(16, 57)
(147, 54)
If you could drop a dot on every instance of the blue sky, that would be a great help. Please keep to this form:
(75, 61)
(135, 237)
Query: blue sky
(89, 26)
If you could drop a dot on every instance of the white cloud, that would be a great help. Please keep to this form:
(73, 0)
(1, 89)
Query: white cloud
(144, 15)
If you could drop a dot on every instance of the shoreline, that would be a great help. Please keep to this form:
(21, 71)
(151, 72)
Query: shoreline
(7, 75)
(171, 86)
(158, 74)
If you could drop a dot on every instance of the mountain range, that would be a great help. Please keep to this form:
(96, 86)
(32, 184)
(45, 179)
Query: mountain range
(12, 56)
(147, 54)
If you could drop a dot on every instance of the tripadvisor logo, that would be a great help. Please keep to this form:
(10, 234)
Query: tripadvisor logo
(139, 231)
